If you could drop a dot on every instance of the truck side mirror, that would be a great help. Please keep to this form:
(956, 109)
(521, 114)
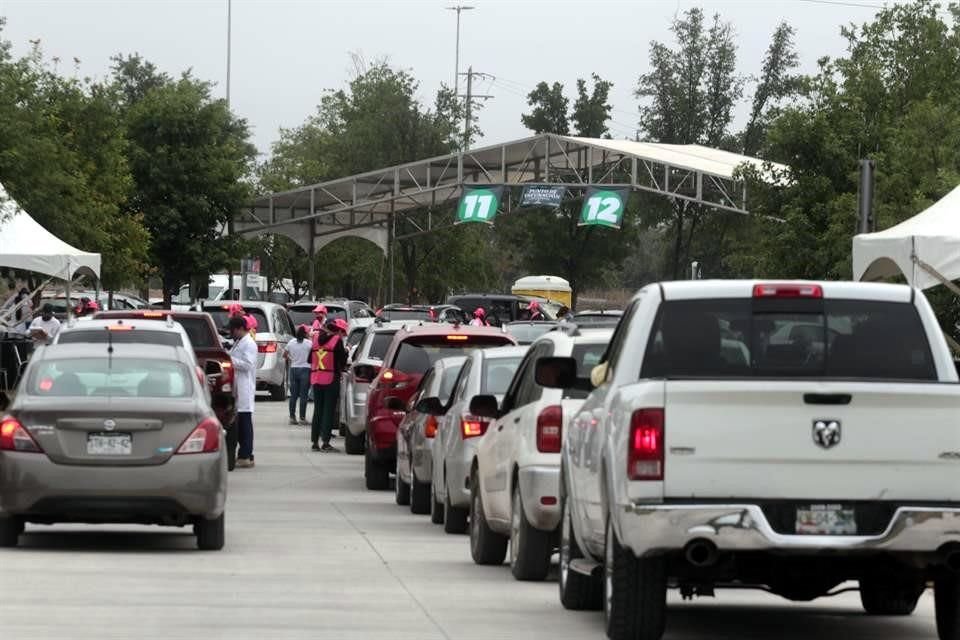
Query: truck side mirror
(556, 373)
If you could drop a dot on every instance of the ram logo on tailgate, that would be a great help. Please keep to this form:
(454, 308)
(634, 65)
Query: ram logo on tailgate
(826, 433)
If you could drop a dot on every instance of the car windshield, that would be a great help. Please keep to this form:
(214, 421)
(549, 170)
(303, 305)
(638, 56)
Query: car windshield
(128, 335)
(303, 314)
(497, 374)
(131, 377)
(220, 317)
(418, 355)
(803, 338)
(527, 332)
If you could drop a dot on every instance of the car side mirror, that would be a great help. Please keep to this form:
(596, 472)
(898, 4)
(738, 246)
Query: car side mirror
(430, 406)
(364, 372)
(556, 373)
(213, 368)
(485, 406)
(394, 403)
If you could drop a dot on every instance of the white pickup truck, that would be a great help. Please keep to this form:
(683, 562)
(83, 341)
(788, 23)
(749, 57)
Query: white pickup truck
(787, 436)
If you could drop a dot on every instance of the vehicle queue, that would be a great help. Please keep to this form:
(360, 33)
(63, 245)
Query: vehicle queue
(593, 444)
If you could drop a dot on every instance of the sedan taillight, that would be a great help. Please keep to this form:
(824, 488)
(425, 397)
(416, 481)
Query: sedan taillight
(471, 427)
(13, 437)
(550, 429)
(204, 439)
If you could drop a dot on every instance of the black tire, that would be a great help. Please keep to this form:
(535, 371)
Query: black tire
(946, 598)
(211, 534)
(232, 443)
(10, 530)
(454, 518)
(420, 495)
(354, 445)
(377, 476)
(436, 507)
(401, 489)
(530, 548)
(279, 393)
(635, 593)
(487, 547)
(890, 597)
(578, 592)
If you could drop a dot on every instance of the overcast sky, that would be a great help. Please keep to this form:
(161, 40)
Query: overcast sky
(286, 53)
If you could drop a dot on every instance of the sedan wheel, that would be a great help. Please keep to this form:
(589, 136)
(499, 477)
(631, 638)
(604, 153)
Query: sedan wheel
(402, 489)
(211, 534)
(530, 548)
(486, 545)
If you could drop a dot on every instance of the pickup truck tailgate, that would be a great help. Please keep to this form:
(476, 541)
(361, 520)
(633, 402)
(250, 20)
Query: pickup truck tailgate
(742, 439)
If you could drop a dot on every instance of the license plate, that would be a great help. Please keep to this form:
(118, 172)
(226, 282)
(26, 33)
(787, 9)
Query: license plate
(826, 520)
(109, 444)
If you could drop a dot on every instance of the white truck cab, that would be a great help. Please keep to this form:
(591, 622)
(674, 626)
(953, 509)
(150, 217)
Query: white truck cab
(786, 435)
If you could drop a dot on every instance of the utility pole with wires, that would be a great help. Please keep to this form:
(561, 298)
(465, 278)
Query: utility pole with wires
(469, 97)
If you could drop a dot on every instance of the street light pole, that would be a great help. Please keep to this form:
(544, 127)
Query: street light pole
(229, 26)
(456, 74)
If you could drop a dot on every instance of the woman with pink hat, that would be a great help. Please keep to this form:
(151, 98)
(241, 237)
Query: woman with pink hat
(479, 318)
(319, 317)
(327, 363)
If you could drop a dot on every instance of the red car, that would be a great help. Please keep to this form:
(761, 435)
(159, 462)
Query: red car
(410, 355)
(207, 347)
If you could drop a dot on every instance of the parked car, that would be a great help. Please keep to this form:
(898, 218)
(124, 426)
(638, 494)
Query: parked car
(207, 348)
(274, 331)
(516, 471)
(416, 435)
(526, 331)
(349, 310)
(486, 372)
(120, 437)
(423, 312)
(708, 455)
(411, 354)
(365, 363)
(608, 318)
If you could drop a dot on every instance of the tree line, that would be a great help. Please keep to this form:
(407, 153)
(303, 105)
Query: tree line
(146, 168)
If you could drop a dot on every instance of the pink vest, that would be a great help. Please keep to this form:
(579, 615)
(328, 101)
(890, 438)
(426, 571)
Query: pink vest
(322, 362)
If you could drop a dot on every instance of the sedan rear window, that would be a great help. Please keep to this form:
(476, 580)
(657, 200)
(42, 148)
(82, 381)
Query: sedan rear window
(417, 356)
(221, 316)
(102, 377)
(843, 339)
(201, 335)
(130, 336)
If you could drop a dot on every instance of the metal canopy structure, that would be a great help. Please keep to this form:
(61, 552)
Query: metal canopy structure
(369, 205)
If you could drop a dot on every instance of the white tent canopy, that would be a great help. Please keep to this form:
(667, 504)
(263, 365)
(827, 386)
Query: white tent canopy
(925, 248)
(26, 245)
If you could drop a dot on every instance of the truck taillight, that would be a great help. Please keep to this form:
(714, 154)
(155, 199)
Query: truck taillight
(13, 437)
(645, 450)
(472, 427)
(781, 290)
(204, 439)
(430, 427)
(550, 429)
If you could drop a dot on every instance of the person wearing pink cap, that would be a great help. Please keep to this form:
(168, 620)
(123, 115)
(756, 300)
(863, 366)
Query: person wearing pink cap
(479, 318)
(327, 363)
(319, 317)
(534, 311)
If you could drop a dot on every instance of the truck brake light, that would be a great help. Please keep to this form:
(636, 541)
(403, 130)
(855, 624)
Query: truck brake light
(550, 429)
(645, 455)
(787, 291)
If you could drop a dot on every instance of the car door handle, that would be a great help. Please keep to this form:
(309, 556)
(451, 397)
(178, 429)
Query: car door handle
(827, 398)
(500, 428)
(516, 420)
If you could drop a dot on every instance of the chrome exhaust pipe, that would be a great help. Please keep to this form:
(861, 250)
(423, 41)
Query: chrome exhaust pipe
(703, 553)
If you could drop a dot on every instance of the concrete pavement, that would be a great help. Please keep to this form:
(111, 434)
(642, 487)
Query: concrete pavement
(311, 554)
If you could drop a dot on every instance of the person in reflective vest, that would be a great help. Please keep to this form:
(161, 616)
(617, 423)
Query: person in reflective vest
(327, 362)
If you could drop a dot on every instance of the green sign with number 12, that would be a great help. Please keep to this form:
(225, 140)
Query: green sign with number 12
(604, 207)
(479, 204)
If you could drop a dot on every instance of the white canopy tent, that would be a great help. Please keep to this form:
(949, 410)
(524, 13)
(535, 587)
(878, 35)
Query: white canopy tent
(925, 248)
(26, 245)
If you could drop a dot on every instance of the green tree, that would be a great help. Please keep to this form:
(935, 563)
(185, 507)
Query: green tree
(189, 156)
(549, 113)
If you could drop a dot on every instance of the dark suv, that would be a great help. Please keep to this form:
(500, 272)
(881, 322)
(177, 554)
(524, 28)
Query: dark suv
(411, 354)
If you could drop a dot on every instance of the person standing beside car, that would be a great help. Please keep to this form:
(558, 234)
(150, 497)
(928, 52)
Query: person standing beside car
(44, 328)
(328, 360)
(244, 356)
(298, 355)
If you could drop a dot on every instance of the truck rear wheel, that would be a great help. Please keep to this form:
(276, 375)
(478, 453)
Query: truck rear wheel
(890, 597)
(635, 593)
(578, 592)
(946, 598)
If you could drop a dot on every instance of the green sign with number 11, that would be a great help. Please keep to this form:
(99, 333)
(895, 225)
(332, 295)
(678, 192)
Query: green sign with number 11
(479, 204)
(604, 207)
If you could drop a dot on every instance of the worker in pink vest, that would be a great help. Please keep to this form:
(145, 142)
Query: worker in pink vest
(327, 362)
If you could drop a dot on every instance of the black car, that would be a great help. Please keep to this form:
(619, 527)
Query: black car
(501, 308)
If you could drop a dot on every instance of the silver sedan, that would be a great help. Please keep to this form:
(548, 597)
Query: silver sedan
(102, 433)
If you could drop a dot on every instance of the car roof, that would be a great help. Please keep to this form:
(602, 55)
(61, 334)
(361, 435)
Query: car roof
(532, 322)
(247, 304)
(120, 350)
(700, 289)
(150, 314)
(442, 329)
(577, 335)
(103, 323)
(487, 296)
(494, 353)
(389, 325)
(331, 303)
